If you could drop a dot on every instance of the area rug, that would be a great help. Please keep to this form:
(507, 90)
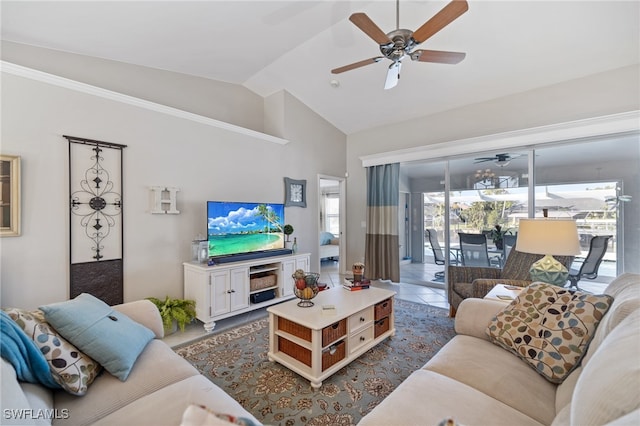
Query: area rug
(236, 360)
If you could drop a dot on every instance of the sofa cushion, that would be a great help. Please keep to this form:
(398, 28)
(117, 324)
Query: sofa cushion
(13, 401)
(106, 335)
(608, 386)
(170, 402)
(426, 398)
(549, 327)
(625, 290)
(496, 373)
(157, 367)
(70, 368)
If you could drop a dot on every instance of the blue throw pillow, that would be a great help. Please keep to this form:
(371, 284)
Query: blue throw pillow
(109, 337)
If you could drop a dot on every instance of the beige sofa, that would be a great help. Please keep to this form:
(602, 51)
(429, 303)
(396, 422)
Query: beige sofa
(475, 382)
(159, 389)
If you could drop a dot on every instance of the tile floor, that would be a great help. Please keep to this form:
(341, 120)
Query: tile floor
(416, 285)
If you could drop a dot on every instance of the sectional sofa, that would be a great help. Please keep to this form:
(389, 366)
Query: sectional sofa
(474, 381)
(159, 389)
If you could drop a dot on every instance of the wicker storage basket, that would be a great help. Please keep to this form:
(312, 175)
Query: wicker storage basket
(333, 332)
(381, 326)
(383, 309)
(328, 358)
(295, 329)
(295, 351)
(259, 283)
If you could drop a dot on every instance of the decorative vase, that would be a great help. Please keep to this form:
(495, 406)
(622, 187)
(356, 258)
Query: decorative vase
(305, 287)
(358, 274)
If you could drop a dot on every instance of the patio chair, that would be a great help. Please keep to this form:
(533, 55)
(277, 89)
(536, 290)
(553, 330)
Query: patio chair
(589, 267)
(508, 242)
(438, 253)
(475, 281)
(474, 249)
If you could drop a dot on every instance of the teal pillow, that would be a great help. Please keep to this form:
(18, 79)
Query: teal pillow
(108, 336)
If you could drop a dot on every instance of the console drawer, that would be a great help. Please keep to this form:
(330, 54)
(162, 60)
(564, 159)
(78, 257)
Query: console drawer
(360, 338)
(360, 319)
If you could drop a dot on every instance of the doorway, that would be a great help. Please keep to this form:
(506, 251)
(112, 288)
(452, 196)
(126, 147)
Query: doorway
(331, 228)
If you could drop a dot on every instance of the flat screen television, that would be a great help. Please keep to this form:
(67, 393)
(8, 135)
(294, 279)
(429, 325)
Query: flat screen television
(235, 228)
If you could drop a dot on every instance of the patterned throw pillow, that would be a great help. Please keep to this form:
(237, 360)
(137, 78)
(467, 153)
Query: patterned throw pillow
(70, 368)
(549, 327)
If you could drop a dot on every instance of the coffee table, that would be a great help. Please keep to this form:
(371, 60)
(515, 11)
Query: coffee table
(316, 342)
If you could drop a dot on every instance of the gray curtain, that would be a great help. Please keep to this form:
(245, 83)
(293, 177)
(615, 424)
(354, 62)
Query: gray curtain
(382, 253)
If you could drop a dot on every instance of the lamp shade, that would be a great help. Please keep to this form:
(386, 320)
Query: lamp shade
(548, 237)
(557, 237)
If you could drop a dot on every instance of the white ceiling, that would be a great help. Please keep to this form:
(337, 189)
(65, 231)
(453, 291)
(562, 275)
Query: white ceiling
(268, 46)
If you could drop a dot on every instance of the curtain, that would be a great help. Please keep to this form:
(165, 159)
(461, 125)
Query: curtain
(382, 252)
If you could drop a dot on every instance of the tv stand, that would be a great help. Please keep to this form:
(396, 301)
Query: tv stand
(228, 289)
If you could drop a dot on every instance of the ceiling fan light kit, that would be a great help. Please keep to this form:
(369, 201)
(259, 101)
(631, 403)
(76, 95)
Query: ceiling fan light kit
(400, 43)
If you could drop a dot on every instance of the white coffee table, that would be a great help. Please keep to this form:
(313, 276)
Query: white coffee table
(316, 343)
(504, 293)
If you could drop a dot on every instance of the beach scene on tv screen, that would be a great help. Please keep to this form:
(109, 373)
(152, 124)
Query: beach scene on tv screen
(244, 227)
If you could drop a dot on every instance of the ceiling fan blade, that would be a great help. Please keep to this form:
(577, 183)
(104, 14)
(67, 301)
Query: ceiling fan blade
(362, 21)
(439, 56)
(440, 20)
(393, 75)
(356, 65)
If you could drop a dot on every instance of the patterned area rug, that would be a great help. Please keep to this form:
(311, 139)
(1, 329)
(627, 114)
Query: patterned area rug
(236, 360)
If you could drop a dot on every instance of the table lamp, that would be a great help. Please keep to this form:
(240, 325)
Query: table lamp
(548, 237)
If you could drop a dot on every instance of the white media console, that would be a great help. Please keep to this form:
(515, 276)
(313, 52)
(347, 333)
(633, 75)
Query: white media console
(229, 289)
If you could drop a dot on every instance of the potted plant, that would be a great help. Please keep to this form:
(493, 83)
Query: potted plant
(288, 230)
(174, 312)
(497, 235)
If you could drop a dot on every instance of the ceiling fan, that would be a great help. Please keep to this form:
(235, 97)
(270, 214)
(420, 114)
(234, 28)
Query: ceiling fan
(500, 160)
(400, 43)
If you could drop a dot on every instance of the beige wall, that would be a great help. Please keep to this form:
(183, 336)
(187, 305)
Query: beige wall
(205, 162)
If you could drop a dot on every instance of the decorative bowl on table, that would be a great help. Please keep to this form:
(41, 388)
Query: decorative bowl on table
(305, 287)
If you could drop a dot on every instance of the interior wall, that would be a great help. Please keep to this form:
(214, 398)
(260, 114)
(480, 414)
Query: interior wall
(611, 92)
(215, 99)
(204, 162)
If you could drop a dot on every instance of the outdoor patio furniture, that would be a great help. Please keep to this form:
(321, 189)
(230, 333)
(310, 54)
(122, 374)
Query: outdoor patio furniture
(473, 249)
(589, 267)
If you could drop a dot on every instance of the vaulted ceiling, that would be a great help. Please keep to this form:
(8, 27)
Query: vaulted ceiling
(268, 46)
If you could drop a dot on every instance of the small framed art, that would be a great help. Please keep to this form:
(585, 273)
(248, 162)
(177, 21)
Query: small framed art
(295, 192)
(9, 196)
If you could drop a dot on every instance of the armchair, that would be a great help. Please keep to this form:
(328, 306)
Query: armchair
(477, 281)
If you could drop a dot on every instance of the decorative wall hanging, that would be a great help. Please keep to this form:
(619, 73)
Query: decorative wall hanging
(295, 192)
(96, 219)
(9, 196)
(164, 200)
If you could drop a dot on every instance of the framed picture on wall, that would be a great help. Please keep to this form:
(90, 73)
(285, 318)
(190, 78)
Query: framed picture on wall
(9, 196)
(295, 192)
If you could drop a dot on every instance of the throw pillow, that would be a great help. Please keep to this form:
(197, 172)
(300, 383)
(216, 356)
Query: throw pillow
(549, 327)
(106, 335)
(70, 368)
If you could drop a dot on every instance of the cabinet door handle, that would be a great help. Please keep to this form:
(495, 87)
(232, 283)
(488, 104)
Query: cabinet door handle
(362, 319)
(362, 339)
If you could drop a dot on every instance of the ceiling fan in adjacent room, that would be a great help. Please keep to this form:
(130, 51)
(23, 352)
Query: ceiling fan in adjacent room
(401, 43)
(500, 160)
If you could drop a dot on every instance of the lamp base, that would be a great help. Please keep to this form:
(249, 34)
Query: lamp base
(550, 271)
